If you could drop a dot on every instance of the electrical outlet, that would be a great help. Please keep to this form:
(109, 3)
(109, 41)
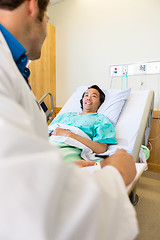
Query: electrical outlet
(116, 70)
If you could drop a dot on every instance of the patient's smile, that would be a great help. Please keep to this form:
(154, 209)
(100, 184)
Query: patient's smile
(89, 103)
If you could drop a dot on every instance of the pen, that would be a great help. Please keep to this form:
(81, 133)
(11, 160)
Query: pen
(50, 132)
(101, 155)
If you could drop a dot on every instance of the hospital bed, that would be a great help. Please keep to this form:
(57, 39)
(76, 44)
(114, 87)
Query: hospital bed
(131, 114)
(129, 111)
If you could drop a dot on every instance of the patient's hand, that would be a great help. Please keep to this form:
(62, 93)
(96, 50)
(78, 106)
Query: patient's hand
(61, 132)
(83, 163)
(96, 147)
(124, 163)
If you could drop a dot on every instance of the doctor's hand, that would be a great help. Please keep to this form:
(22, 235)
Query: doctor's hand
(124, 163)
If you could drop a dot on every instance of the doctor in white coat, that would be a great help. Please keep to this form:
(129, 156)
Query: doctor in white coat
(41, 198)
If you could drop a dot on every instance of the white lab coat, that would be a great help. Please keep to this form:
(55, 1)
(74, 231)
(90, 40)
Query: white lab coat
(41, 198)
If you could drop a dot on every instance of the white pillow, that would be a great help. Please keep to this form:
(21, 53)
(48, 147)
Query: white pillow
(111, 108)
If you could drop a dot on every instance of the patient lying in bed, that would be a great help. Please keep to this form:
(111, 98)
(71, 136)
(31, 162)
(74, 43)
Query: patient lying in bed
(89, 129)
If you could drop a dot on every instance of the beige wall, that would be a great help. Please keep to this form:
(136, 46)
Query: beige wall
(93, 34)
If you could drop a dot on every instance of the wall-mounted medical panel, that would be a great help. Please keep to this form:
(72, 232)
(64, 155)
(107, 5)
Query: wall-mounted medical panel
(135, 69)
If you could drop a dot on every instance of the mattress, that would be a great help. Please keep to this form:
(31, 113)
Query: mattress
(133, 122)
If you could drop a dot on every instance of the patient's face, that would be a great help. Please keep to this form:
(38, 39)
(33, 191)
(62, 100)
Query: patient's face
(91, 101)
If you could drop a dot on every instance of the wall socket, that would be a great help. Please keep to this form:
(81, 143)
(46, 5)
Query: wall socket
(116, 70)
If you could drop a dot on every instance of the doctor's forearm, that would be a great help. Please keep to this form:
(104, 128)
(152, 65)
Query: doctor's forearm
(94, 146)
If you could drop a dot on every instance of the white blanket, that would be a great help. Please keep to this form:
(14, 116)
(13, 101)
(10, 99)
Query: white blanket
(87, 153)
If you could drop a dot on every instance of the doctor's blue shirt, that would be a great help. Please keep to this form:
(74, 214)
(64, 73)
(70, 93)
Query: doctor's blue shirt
(18, 52)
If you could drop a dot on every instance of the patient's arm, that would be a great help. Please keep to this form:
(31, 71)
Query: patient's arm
(84, 163)
(94, 146)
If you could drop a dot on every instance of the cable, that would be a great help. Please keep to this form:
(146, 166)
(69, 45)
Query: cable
(126, 80)
(150, 149)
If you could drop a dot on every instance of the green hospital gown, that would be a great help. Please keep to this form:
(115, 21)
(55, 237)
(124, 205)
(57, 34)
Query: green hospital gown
(96, 126)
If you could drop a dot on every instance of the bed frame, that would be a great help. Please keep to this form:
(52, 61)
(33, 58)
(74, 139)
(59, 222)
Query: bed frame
(142, 114)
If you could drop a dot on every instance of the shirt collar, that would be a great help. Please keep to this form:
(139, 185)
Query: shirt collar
(16, 48)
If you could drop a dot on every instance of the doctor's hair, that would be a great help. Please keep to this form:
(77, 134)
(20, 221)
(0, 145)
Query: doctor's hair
(101, 94)
(13, 4)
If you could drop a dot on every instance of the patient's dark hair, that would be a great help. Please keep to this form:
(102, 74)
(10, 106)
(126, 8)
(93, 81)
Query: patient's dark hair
(101, 93)
(13, 4)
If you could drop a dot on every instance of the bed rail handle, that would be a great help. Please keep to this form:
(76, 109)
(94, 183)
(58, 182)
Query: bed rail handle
(45, 108)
